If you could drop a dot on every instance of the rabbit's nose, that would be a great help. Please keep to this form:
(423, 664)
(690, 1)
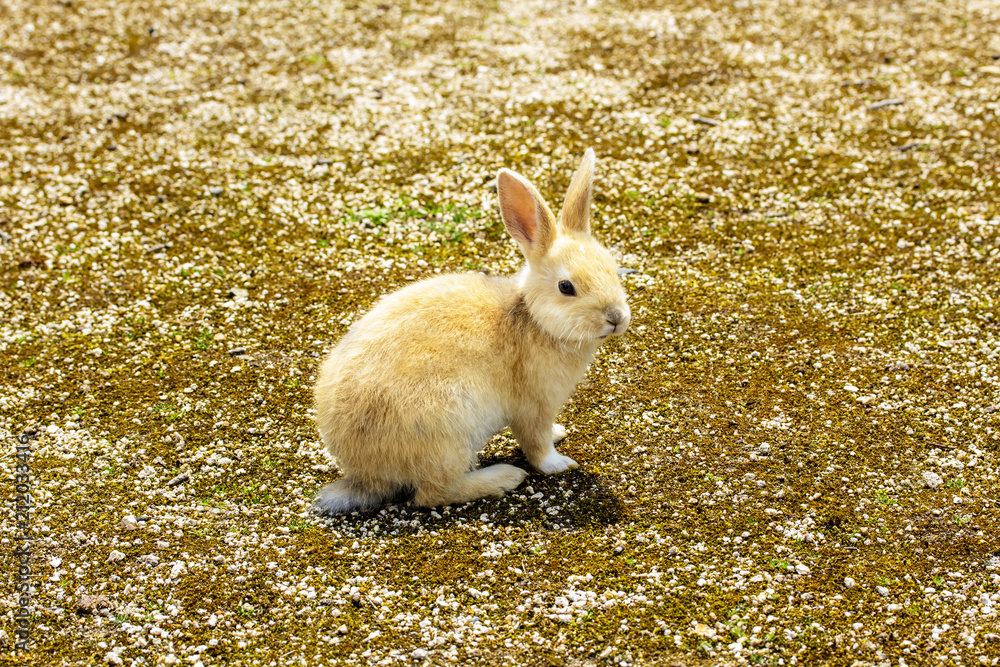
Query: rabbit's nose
(614, 316)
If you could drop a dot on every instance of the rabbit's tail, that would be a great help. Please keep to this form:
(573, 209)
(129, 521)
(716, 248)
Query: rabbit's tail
(348, 495)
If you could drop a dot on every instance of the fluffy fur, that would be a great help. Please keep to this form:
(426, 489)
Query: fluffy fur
(417, 387)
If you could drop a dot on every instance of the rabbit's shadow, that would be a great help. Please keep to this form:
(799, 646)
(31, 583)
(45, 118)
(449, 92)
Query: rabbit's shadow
(573, 500)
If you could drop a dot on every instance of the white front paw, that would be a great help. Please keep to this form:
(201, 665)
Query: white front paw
(558, 432)
(556, 463)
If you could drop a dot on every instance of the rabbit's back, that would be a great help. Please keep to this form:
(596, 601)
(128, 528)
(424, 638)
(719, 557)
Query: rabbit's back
(446, 327)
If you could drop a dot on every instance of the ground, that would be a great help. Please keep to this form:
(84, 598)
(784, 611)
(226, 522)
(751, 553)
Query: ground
(791, 457)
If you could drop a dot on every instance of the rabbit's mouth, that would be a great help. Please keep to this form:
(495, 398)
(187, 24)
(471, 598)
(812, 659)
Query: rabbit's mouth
(615, 331)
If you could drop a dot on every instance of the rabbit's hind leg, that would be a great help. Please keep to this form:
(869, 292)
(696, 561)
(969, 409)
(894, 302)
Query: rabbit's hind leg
(494, 480)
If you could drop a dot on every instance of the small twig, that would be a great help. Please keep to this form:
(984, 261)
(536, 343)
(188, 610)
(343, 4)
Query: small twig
(180, 479)
(885, 103)
(706, 121)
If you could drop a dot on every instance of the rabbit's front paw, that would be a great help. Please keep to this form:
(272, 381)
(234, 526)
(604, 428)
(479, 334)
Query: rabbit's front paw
(556, 463)
(558, 432)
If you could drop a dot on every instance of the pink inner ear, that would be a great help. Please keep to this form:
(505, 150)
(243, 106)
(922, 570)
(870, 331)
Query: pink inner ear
(518, 208)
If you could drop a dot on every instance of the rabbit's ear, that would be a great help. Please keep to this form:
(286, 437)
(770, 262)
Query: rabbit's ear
(575, 216)
(524, 214)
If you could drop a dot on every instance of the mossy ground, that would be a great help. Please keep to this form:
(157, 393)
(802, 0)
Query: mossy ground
(815, 326)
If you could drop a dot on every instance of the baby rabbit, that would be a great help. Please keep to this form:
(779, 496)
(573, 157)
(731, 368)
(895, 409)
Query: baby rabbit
(417, 386)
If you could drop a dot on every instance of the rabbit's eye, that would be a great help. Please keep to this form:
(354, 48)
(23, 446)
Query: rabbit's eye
(566, 287)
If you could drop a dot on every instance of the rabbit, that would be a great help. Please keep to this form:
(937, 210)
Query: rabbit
(418, 386)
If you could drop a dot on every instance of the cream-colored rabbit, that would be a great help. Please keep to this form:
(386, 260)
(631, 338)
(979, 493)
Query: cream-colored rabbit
(418, 386)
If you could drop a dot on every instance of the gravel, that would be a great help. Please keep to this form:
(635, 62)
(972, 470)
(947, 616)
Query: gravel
(815, 331)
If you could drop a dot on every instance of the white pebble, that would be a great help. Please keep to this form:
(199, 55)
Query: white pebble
(932, 480)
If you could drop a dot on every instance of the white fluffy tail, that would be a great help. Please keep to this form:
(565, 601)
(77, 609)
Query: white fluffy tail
(346, 495)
